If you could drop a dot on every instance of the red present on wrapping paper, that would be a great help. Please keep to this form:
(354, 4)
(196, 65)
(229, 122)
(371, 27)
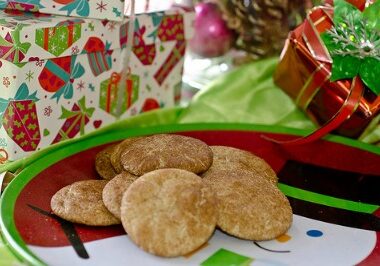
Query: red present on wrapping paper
(64, 59)
(75, 121)
(20, 119)
(307, 71)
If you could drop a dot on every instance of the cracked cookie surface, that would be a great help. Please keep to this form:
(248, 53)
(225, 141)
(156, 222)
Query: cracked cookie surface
(233, 158)
(166, 151)
(249, 207)
(113, 192)
(169, 212)
(82, 203)
(118, 150)
(103, 163)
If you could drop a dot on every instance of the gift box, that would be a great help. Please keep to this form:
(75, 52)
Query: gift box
(105, 9)
(61, 77)
(330, 66)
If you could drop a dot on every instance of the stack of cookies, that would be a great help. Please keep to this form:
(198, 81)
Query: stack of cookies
(170, 192)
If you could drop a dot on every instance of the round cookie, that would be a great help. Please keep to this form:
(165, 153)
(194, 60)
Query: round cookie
(103, 163)
(233, 158)
(119, 148)
(249, 208)
(113, 192)
(169, 212)
(82, 203)
(166, 151)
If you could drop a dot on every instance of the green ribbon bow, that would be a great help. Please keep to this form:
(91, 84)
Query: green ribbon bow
(21, 94)
(11, 47)
(83, 113)
(354, 43)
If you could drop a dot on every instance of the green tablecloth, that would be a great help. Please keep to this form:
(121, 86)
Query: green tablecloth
(246, 95)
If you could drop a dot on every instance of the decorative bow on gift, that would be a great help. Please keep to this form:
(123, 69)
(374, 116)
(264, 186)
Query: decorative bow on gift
(341, 41)
(81, 7)
(82, 113)
(11, 48)
(76, 120)
(354, 43)
(20, 119)
(146, 53)
(22, 94)
(24, 5)
(76, 71)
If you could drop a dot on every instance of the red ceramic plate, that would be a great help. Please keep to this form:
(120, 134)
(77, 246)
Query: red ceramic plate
(332, 185)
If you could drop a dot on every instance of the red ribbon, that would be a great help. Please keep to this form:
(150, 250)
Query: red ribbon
(348, 108)
(112, 88)
(70, 39)
(5, 158)
(129, 92)
(171, 62)
(318, 21)
(361, 4)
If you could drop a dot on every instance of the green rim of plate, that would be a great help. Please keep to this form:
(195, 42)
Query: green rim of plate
(52, 156)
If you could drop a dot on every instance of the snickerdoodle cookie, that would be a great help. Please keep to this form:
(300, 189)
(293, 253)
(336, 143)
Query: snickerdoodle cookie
(114, 191)
(103, 163)
(82, 203)
(233, 158)
(169, 212)
(249, 207)
(166, 151)
(118, 150)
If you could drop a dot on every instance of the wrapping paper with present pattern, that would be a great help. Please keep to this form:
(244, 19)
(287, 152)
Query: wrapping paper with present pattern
(100, 9)
(57, 74)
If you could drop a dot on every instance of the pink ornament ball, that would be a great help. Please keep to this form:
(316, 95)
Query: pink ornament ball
(212, 36)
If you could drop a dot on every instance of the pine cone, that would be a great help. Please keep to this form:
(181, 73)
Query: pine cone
(262, 25)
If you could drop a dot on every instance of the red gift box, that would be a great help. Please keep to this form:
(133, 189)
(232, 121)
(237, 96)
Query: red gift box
(344, 106)
(20, 120)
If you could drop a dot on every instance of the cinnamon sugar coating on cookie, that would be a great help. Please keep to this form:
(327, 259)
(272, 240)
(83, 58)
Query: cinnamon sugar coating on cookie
(233, 158)
(250, 207)
(166, 151)
(82, 203)
(103, 164)
(118, 150)
(113, 192)
(169, 212)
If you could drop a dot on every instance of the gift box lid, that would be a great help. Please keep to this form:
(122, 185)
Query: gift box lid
(105, 9)
(28, 37)
(330, 67)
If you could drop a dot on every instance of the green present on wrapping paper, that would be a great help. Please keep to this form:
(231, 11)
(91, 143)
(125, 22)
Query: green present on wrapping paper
(64, 70)
(331, 67)
(109, 89)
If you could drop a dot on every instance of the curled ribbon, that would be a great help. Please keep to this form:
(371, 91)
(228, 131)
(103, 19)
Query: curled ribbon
(3, 156)
(126, 55)
(111, 88)
(318, 21)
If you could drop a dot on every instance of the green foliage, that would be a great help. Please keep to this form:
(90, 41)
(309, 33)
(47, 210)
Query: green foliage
(354, 43)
